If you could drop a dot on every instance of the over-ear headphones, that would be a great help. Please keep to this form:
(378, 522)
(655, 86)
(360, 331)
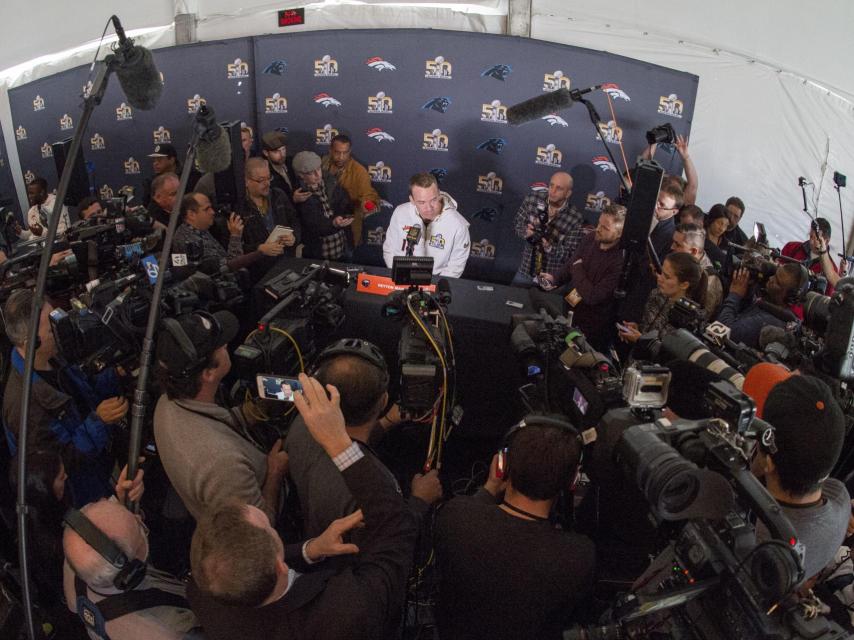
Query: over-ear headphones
(185, 344)
(353, 347)
(767, 441)
(131, 571)
(797, 294)
(557, 421)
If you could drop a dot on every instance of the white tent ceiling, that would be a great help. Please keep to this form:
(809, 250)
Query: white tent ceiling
(776, 100)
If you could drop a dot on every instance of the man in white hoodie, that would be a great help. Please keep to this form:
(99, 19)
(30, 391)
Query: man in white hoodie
(444, 232)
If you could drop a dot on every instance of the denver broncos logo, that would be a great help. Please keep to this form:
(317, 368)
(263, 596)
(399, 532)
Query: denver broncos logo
(554, 119)
(497, 71)
(379, 64)
(439, 103)
(385, 204)
(604, 163)
(493, 145)
(326, 100)
(276, 68)
(379, 135)
(615, 92)
(539, 187)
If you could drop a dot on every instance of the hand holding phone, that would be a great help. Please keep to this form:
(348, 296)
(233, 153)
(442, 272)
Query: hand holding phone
(273, 387)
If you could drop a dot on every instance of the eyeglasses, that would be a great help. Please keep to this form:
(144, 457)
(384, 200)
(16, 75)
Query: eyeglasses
(261, 180)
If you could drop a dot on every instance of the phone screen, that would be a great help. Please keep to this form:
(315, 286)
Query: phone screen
(273, 387)
(580, 401)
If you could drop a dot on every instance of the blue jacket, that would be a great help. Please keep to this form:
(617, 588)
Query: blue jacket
(745, 326)
(55, 418)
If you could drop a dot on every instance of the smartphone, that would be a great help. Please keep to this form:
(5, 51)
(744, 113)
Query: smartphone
(273, 387)
(623, 328)
(279, 232)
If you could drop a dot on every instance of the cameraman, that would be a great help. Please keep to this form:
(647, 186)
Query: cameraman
(795, 462)
(815, 253)
(66, 407)
(506, 571)
(551, 227)
(691, 239)
(780, 290)
(199, 441)
(197, 215)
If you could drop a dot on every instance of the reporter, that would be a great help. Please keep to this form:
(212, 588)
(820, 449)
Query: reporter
(67, 408)
(680, 277)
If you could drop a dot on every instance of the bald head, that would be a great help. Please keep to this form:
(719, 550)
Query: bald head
(560, 188)
(120, 526)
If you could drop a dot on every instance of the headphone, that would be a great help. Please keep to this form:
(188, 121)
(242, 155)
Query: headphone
(768, 441)
(796, 295)
(131, 572)
(557, 421)
(185, 344)
(354, 347)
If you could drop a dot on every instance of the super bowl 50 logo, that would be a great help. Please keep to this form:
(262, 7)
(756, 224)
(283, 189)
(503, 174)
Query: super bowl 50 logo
(325, 134)
(610, 132)
(555, 80)
(162, 135)
(376, 236)
(438, 68)
(105, 192)
(97, 142)
(326, 67)
(237, 69)
(47, 151)
(124, 112)
(194, 103)
(435, 141)
(29, 176)
(493, 112)
(38, 103)
(490, 183)
(549, 155)
(131, 166)
(276, 104)
(66, 123)
(20, 133)
(380, 172)
(670, 106)
(483, 249)
(380, 103)
(87, 89)
(597, 201)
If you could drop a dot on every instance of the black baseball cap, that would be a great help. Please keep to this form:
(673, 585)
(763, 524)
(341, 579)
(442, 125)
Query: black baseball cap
(206, 331)
(163, 150)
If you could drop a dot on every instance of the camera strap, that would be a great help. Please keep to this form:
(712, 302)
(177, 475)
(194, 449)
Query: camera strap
(522, 512)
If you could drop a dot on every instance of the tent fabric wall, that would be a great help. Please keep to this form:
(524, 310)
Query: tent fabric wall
(757, 126)
(437, 105)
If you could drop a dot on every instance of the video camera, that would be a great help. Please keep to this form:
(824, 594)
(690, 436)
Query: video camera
(714, 579)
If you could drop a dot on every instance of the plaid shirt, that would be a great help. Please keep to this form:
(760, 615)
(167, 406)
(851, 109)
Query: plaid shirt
(187, 234)
(333, 246)
(563, 233)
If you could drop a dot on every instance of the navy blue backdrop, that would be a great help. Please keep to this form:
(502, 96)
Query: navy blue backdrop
(7, 184)
(411, 100)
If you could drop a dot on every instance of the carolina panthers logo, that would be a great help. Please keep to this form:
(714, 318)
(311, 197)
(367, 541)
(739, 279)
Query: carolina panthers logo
(326, 100)
(379, 64)
(497, 71)
(554, 119)
(487, 214)
(439, 103)
(276, 68)
(282, 130)
(615, 92)
(494, 145)
(440, 173)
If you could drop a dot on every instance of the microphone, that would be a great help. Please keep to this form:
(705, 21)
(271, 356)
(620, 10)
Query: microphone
(413, 235)
(536, 108)
(576, 94)
(213, 151)
(802, 182)
(443, 292)
(136, 71)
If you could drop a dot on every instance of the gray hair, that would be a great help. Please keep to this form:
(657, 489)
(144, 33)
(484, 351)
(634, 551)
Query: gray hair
(695, 235)
(16, 314)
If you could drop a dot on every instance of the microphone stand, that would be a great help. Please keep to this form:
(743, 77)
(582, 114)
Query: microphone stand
(139, 395)
(99, 86)
(803, 185)
(595, 119)
(841, 217)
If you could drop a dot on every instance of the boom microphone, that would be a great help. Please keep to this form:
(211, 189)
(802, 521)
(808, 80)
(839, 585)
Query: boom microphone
(536, 108)
(213, 151)
(576, 94)
(136, 71)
